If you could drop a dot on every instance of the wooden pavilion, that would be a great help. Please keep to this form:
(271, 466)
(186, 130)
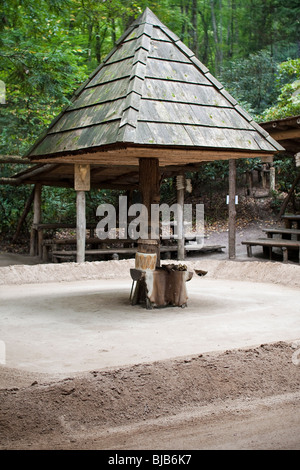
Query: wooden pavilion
(151, 109)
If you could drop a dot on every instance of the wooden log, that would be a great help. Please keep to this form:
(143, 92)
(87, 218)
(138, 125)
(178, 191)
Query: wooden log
(232, 210)
(23, 216)
(14, 159)
(286, 201)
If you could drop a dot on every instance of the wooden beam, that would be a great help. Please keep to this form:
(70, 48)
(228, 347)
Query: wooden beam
(14, 159)
(167, 156)
(285, 135)
(82, 177)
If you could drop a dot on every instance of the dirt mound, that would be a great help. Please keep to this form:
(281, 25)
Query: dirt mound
(67, 413)
(254, 271)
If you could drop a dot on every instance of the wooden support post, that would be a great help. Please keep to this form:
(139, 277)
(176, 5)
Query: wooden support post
(81, 184)
(232, 210)
(80, 226)
(180, 185)
(149, 182)
(35, 236)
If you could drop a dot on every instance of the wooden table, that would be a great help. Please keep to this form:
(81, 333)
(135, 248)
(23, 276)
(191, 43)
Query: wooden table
(291, 219)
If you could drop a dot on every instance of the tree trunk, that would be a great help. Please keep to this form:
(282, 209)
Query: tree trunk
(23, 216)
(288, 197)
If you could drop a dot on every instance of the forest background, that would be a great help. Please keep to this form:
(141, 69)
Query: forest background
(49, 47)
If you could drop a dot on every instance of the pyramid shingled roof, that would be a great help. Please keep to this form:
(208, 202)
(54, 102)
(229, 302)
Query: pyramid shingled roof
(152, 92)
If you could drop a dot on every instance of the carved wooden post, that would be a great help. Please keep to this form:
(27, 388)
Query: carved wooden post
(81, 184)
(232, 210)
(180, 185)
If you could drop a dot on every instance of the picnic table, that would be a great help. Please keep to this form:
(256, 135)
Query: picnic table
(284, 233)
(291, 219)
(269, 243)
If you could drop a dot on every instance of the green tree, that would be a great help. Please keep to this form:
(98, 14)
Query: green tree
(288, 83)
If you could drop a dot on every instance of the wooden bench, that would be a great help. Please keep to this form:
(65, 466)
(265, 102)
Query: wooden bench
(269, 243)
(53, 243)
(70, 254)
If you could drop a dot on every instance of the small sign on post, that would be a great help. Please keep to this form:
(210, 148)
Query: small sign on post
(236, 200)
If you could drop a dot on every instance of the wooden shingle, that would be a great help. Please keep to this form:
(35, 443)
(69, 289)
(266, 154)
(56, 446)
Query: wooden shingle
(151, 91)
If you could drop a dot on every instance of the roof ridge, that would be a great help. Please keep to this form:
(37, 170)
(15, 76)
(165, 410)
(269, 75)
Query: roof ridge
(130, 113)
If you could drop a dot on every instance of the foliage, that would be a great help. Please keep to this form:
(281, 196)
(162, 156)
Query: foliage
(48, 48)
(288, 83)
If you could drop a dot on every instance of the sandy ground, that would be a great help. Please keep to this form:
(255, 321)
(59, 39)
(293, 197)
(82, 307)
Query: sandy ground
(83, 369)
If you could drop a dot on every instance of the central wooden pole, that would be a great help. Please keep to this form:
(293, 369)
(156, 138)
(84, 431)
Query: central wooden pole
(149, 184)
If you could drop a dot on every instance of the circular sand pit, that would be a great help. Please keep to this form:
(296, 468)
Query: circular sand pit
(85, 321)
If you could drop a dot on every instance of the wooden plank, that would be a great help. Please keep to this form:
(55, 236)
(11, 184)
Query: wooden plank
(89, 116)
(167, 51)
(168, 156)
(191, 114)
(182, 92)
(101, 93)
(94, 241)
(175, 71)
(113, 71)
(104, 251)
